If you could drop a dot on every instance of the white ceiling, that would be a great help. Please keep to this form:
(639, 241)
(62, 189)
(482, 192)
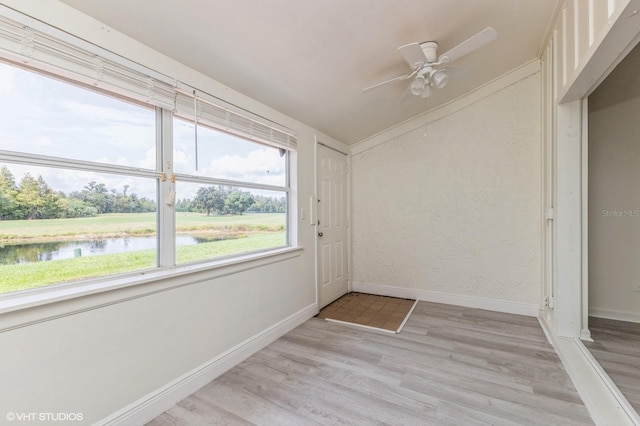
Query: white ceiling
(310, 59)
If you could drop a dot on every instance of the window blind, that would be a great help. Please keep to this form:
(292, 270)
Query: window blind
(53, 51)
(39, 50)
(201, 108)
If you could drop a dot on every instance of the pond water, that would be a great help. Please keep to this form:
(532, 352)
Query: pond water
(55, 250)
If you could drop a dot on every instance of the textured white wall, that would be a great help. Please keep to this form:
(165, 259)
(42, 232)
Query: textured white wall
(614, 198)
(456, 207)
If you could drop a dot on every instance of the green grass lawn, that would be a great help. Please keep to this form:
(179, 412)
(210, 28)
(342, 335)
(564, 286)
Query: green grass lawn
(132, 224)
(248, 232)
(32, 275)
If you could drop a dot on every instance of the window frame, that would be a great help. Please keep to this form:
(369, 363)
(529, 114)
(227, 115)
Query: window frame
(64, 163)
(165, 183)
(207, 180)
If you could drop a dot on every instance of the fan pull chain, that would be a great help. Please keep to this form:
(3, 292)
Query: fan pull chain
(195, 125)
(426, 121)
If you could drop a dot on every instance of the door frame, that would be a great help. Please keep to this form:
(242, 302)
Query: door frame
(569, 318)
(567, 322)
(313, 201)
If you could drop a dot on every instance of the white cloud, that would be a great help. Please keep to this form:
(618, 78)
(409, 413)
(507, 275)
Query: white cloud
(44, 142)
(7, 74)
(149, 161)
(118, 113)
(179, 159)
(72, 180)
(122, 161)
(261, 166)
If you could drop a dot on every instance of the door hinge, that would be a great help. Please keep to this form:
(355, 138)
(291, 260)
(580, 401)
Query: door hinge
(550, 214)
(550, 301)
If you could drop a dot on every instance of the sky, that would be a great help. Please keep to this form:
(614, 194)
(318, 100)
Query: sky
(45, 116)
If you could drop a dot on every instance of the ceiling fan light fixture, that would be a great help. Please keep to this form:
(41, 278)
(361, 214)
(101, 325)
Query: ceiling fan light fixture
(430, 50)
(439, 79)
(424, 62)
(426, 91)
(417, 87)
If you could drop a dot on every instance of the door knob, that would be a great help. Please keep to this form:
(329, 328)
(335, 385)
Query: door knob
(320, 234)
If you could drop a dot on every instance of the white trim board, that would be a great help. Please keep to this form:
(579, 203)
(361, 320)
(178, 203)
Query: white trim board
(366, 327)
(439, 112)
(152, 405)
(495, 305)
(603, 399)
(615, 315)
(406, 317)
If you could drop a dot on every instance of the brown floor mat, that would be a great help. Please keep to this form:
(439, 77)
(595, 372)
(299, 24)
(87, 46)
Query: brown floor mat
(383, 312)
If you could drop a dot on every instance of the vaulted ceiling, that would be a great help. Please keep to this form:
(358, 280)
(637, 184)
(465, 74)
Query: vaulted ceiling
(311, 59)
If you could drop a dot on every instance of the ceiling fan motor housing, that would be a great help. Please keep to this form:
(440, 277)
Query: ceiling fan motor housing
(430, 49)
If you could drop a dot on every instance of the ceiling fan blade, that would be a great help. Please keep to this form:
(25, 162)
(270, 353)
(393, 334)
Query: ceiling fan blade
(407, 95)
(469, 45)
(413, 54)
(458, 73)
(402, 77)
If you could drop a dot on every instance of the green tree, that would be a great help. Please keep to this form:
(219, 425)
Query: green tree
(73, 207)
(49, 201)
(9, 208)
(97, 195)
(211, 199)
(28, 197)
(185, 205)
(144, 204)
(264, 204)
(238, 202)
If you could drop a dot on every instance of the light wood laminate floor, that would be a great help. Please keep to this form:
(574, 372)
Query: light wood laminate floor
(448, 366)
(616, 346)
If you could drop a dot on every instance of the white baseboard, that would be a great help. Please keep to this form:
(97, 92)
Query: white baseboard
(585, 335)
(615, 315)
(603, 399)
(495, 305)
(152, 405)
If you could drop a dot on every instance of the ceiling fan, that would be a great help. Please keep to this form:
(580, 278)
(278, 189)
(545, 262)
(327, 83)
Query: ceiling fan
(425, 63)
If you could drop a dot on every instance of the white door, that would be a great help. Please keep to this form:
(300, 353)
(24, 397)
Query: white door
(332, 225)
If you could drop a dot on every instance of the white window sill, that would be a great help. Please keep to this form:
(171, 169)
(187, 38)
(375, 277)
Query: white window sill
(107, 291)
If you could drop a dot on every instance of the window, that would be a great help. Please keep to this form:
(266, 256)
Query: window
(213, 209)
(106, 169)
(226, 157)
(223, 221)
(55, 229)
(42, 115)
(82, 203)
